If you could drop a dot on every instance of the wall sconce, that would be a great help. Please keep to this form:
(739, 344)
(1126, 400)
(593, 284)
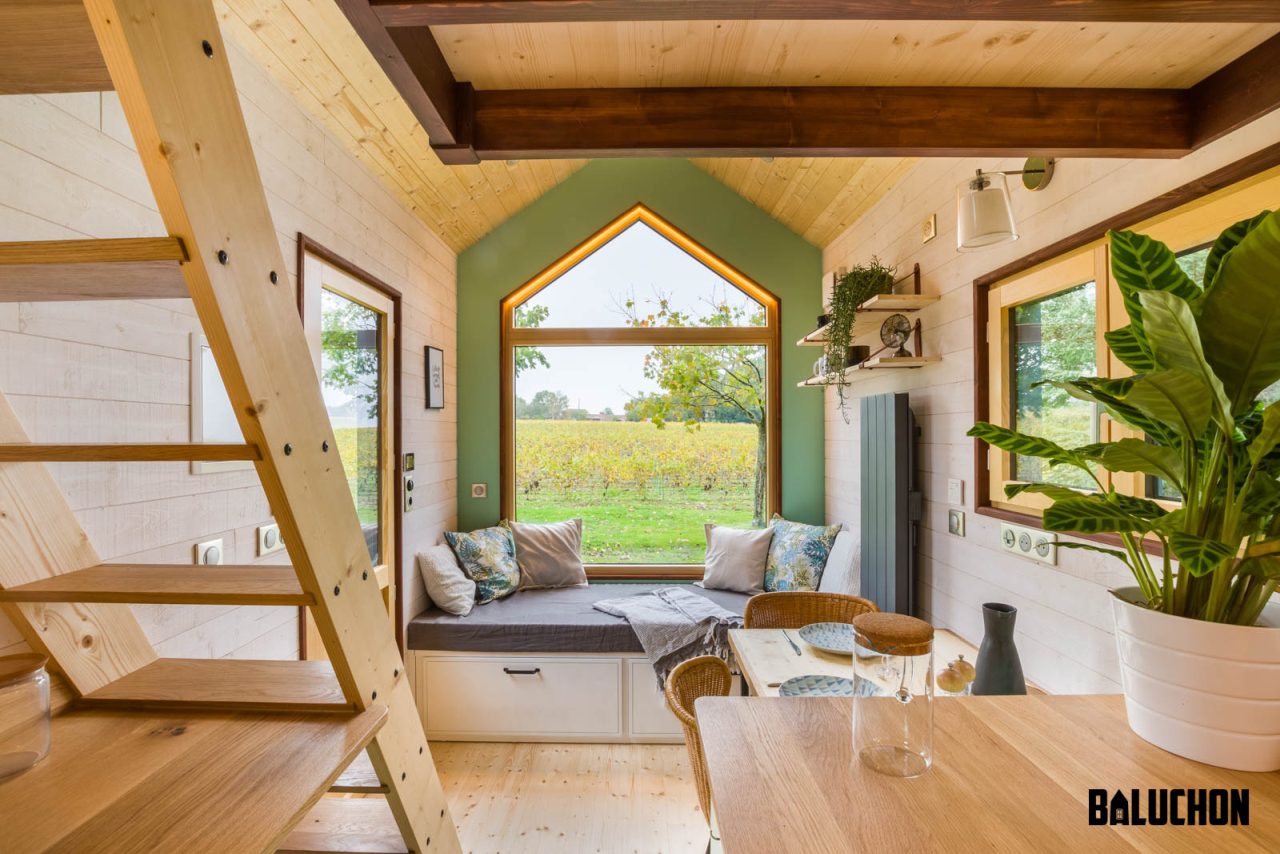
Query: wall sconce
(984, 216)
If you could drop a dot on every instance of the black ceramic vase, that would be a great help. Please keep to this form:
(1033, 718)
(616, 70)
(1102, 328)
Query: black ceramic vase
(999, 671)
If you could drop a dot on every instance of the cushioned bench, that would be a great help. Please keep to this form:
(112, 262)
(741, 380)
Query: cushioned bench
(560, 620)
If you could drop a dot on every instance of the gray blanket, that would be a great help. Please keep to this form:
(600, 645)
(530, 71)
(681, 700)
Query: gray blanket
(674, 625)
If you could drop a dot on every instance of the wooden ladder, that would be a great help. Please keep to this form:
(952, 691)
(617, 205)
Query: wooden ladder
(306, 721)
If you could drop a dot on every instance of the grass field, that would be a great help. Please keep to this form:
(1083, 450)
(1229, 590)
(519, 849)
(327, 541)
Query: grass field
(643, 494)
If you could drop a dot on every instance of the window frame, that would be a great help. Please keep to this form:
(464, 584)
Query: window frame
(1184, 219)
(768, 336)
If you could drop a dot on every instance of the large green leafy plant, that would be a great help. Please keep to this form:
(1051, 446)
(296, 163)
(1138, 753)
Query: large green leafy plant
(1202, 354)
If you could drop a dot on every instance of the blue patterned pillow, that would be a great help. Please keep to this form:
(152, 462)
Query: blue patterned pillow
(797, 555)
(488, 557)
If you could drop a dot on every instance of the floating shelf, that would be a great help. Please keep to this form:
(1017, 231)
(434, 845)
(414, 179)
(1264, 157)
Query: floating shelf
(871, 314)
(875, 364)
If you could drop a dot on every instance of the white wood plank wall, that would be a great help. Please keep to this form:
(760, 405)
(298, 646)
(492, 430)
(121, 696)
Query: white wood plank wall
(119, 371)
(1064, 621)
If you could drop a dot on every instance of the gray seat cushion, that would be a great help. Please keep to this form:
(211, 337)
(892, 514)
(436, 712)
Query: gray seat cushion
(559, 620)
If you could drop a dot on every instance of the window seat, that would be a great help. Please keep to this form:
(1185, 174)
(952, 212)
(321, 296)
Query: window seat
(560, 620)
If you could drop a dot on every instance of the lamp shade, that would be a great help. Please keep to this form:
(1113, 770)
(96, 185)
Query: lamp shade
(984, 216)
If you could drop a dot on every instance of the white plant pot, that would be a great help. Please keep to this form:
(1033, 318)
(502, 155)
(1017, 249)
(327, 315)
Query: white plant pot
(1206, 691)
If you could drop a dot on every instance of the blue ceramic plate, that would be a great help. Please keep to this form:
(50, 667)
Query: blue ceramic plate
(816, 686)
(829, 637)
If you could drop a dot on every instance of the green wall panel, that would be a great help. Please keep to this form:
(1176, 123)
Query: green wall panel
(698, 205)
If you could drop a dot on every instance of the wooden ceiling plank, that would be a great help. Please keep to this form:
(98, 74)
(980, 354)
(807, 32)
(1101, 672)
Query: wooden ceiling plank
(831, 122)
(1238, 93)
(410, 13)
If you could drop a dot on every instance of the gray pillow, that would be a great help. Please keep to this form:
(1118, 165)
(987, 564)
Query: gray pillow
(447, 585)
(736, 559)
(550, 555)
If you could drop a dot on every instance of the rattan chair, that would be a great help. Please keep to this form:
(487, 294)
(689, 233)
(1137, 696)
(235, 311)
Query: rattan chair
(795, 609)
(704, 676)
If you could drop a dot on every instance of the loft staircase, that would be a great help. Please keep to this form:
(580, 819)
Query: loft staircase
(159, 754)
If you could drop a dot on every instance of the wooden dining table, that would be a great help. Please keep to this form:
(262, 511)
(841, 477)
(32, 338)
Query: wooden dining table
(1009, 774)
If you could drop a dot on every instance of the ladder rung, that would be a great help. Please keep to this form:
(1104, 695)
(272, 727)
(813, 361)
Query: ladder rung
(359, 778)
(226, 684)
(106, 251)
(167, 584)
(347, 825)
(35, 452)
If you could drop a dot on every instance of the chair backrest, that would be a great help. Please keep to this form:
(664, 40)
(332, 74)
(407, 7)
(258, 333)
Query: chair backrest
(795, 609)
(704, 676)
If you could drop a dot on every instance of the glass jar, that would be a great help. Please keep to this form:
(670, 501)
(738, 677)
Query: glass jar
(24, 712)
(893, 693)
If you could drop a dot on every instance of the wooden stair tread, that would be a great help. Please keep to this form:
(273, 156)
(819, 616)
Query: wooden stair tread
(49, 46)
(198, 781)
(112, 250)
(347, 825)
(226, 684)
(121, 280)
(359, 778)
(156, 452)
(165, 584)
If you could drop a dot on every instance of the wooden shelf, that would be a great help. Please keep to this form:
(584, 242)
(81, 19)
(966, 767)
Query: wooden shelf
(161, 584)
(226, 684)
(876, 364)
(871, 314)
(347, 825)
(197, 782)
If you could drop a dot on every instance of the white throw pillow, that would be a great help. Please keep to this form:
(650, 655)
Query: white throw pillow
(736, 559)
(447, 585)
(549, 555)
(842, 572)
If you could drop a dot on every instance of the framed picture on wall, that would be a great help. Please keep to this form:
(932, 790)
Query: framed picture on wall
(435, 378)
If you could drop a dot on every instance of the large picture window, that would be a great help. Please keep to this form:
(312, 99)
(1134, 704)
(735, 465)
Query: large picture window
(1047, 322)
(640, 393)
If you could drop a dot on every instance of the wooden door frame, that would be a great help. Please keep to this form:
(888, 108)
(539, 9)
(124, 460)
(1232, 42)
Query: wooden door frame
(307, 246)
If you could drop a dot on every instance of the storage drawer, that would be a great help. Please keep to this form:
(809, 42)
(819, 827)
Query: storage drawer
(464, 697)
(649, 713)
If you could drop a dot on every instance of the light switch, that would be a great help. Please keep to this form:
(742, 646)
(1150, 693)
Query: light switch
(479, 490)
(955, 491)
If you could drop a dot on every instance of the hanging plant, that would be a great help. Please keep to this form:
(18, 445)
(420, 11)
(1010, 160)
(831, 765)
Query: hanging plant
(851, 290)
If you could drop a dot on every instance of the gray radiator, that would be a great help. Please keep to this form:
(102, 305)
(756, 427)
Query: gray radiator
(891, 502)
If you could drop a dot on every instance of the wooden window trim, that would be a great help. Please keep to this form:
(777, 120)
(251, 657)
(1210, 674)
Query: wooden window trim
(307, 246)
(769, 336)
(1153, 216)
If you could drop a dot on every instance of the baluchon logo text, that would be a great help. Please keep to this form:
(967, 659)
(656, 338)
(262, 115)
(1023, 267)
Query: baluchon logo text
(1177, 807)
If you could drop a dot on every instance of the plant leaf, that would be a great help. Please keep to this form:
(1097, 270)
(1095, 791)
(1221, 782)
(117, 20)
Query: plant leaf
(1138, 455)
(1240, 315)
(1107, 393)
(1264, 567)
(1175, 341)
(1143, 508)
(1115, 553)
(1173, 398)
(1024, 445)
(1091, 515)
(1057, 493)
(1269, 436)
(1140, 263)
(1169, 522)
(1131, 348)
(1200, 555)
(1264, 496)
(1225, 243)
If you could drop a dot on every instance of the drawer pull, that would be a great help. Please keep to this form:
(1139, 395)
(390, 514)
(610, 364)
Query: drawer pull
(534, 672)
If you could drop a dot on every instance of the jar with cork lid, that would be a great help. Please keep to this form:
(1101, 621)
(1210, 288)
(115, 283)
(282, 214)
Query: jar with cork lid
(24, 712)
(893, 693)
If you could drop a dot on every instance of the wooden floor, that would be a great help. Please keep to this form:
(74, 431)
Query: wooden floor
(579, 798)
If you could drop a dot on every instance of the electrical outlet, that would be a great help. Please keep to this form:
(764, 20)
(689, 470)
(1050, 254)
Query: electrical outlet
(479, 490)
(1040, 546)
(955, 522)
(408, 493)
(929, 228)
(209, 553)
(955, 491)
(269, 539)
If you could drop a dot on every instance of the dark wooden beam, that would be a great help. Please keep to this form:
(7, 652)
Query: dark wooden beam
(412, 59)
(405, 13)
(831, 122)
(1238, 93)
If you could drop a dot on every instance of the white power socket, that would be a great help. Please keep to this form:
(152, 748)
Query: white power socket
(209, 553)
(1040, 546)
(269, 539)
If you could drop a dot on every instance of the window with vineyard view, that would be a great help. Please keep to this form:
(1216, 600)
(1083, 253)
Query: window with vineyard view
(646, 441)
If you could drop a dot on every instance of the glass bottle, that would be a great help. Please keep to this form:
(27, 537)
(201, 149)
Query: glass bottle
(24, 712)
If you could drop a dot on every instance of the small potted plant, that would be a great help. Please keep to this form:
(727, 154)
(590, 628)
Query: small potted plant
(850, 291)
(1199, 642)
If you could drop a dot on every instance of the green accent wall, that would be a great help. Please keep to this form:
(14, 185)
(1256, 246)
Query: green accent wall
(700, 206)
